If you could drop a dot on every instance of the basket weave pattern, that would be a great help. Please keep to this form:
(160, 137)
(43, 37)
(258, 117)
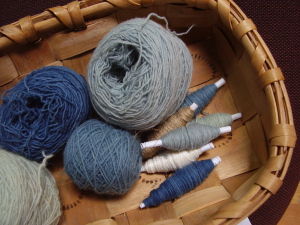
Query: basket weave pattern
(67, 35)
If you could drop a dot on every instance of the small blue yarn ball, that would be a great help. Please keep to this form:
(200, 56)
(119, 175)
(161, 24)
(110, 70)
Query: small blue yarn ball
(103, 158)
(41, 111)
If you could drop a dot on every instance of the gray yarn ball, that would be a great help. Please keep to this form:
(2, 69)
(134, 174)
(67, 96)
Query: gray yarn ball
(139, 74)
(28, 192)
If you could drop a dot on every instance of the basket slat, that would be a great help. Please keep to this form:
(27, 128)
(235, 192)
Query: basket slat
(27, 58)
(257, 137)
(78, 64)
(166, 222)
(237, 186)
(199, 200)
(68, 45)
(8, 70)
(104, 222)
(237, 153)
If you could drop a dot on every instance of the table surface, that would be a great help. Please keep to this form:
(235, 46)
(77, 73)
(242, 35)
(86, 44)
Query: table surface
(291, 215)
(278, 23)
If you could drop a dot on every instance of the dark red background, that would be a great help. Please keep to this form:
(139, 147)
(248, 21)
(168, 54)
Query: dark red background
(278, 24)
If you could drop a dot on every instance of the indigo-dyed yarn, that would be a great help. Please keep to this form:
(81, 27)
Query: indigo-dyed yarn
(28, 192)
(103, 158)
(139, 74)
(40, 112)
(202, 96)
(181, 182)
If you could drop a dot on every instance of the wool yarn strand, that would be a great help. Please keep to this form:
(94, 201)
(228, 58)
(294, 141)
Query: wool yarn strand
(28, 192)
(203, 96)
(217, 119)
(102, 158)
(41, 111)
(192, 136)
(177, 120)
(169, 160)
(139, 74)
(181, 182)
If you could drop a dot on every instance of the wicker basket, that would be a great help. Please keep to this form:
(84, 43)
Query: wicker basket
(224, 43)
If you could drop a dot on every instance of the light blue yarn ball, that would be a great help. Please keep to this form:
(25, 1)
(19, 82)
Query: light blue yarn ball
(139, 74)
(102, 158)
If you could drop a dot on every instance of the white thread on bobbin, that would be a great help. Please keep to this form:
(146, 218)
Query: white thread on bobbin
(170, 160)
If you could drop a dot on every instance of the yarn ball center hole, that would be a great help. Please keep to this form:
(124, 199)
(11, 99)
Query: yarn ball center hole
(34, 102)
(121, 60)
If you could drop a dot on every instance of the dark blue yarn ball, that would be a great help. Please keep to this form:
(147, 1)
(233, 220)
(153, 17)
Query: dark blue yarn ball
(103, 158)
(42, 110)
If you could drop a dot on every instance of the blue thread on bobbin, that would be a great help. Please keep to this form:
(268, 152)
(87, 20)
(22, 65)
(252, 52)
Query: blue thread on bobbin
(202, 96)
(181, 182)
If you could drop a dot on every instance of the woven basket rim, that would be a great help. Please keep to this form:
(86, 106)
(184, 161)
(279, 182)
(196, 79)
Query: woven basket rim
(282, 137)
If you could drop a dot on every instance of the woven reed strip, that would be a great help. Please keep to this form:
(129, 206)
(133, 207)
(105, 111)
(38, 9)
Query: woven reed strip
(48, 23)
(49, 26)
(262, 60)
(104, 222)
